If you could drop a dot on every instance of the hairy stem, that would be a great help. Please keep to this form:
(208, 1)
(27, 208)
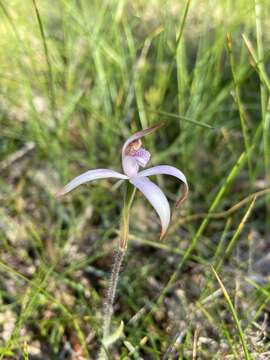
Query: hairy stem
(118, 259)
(108, 310)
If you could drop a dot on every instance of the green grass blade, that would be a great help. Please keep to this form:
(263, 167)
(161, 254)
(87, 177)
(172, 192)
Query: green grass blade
(50, 81)
(234, 315)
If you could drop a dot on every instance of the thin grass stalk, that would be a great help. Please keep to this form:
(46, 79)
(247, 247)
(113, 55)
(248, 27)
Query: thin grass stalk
(50, 83)
(239, 102)
(260, 51)
(236, 234)
(256, 63)
(265, 99)
(177, 43)
(247, 355)
(118, 260)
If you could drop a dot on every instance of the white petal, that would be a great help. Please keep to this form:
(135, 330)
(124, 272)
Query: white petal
(90, 176)
(168, 170)
(157, 199)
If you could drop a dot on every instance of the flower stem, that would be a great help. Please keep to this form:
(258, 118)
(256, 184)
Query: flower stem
(118, 259)
(128, 199)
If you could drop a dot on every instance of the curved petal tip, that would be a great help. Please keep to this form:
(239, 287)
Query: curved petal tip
(169, 170)
(183, 196)
(162, 234)
(59, 193)
(156, 198)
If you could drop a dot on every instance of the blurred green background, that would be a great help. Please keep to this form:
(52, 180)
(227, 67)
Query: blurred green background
(77, 78)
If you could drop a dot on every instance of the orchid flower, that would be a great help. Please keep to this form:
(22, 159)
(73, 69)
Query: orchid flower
(135, 156)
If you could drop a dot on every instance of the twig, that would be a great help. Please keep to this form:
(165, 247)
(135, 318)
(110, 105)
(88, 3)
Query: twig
(222, 214)
(29, 146)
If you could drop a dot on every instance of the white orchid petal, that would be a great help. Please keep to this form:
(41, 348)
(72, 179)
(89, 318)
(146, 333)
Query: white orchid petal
(167, 170)
(90, 175)
(157, 199)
